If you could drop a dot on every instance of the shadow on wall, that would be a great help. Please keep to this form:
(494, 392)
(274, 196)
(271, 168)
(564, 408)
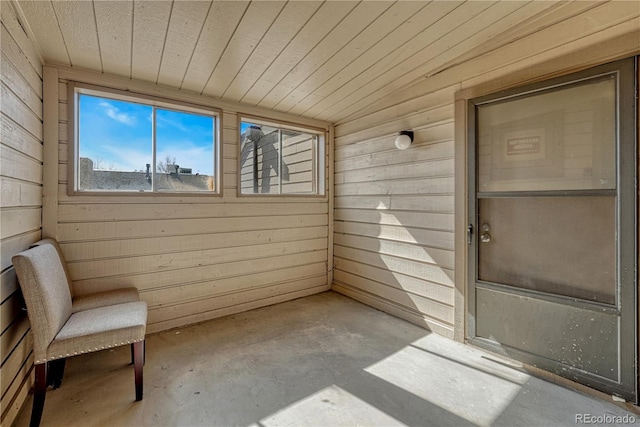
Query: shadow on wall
(394, 225)
(260, 153)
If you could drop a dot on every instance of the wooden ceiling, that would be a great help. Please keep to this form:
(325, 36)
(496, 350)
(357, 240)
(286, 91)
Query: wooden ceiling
(309, 58)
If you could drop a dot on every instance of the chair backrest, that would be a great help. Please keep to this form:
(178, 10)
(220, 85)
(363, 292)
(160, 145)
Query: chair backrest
(46, 292)
(55, 244)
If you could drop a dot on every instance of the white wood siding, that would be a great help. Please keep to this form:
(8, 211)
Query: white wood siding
(21, 203)
(393, 239)
(191, 257)
(394, 210)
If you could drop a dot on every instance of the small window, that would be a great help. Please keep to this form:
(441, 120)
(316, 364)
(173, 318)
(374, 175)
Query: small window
(128, 144)
(281, 160)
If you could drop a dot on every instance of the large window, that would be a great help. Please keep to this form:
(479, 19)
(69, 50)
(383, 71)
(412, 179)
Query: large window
(281, 160)
(129, 144)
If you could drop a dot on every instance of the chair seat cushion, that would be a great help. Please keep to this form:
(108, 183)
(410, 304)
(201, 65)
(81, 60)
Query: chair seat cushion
(103, 299)
(99, 328)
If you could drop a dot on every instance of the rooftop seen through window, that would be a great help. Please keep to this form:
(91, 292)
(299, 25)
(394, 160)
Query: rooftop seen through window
(131, 146)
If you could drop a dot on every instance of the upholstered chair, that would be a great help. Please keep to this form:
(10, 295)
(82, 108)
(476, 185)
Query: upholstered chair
(92, 300)
(59, 332)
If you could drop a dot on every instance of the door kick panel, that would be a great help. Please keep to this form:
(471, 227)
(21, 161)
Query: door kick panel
(548, 329)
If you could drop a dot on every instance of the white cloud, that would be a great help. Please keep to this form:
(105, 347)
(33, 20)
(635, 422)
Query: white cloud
(116, 115)
(125, 159)
(163, 121)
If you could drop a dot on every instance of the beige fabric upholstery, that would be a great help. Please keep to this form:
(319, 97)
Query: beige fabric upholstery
(57, 247)
(99, 328)
(57, 331)
(100, 299)
(103, 299)
(46, 293)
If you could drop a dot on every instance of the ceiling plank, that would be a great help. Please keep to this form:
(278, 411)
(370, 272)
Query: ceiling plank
(391, 20)
(291, 20)
(185, 26)
(535, 16)
(323, 22)
(625, 25)
(559, 37)
(464, 33)
(255, 23)
(435, 42)
(220, 25)
(359, 18)
(330, 60)
(44, 26)
(78, 27)
(150, 23)
(387, 45)
(114, 21)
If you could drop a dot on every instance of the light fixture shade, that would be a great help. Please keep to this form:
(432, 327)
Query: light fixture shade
(404, 140)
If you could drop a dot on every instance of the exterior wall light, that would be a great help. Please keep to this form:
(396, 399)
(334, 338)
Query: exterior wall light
(404, 140)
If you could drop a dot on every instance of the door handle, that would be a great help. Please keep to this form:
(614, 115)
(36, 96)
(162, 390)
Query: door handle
(485, 237)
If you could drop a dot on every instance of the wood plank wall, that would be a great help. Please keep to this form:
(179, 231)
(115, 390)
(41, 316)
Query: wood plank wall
(394, 210)
(394, 235)
(21, 203)
(192, 258)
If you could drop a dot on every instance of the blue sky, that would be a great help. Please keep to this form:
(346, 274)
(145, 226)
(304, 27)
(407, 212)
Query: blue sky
(118, 135)
(244, 126)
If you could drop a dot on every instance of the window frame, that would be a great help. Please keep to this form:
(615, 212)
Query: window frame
(74, 89)
(320, 163)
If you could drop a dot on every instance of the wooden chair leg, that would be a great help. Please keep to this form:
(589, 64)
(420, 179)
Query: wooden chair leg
(50, 370)
(138, 356)
(144, 358)
(55, 372)
(39, 394)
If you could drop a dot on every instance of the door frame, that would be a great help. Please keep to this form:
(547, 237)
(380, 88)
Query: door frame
(626, 216)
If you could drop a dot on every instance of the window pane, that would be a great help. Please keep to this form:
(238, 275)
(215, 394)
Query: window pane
(114, 143)
(563, 139)
(277, 161)
(560, 245)
(260, 159)
(298, 162)
(184, 151)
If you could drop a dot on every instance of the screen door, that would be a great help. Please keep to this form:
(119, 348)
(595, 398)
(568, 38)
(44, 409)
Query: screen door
(553, 226)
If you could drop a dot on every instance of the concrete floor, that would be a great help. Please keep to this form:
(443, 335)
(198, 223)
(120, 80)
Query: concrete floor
(324, 360)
